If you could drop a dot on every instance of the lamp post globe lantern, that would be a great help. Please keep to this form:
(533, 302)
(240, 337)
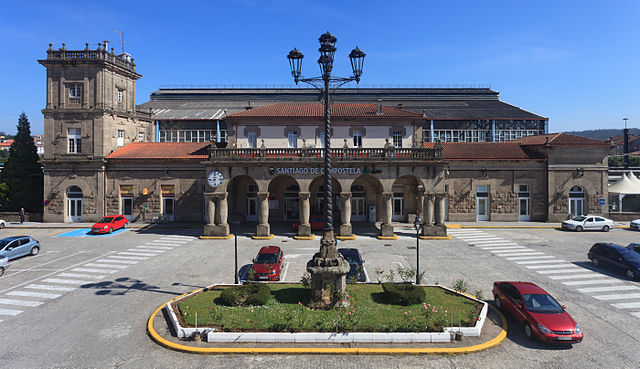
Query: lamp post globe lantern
(327, 267)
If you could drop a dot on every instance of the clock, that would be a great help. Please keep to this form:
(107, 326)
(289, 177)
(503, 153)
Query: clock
(215, 178)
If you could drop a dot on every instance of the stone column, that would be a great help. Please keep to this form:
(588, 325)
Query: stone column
(346, 230)
(263, 229)
(211, 211)
(440, 210)
(217, 211)
(386, 228)
(427, 219)
(222, 209)
(420, 201)
(304, 229)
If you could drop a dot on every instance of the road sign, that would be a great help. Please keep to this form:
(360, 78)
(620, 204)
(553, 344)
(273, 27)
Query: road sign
(601, 201)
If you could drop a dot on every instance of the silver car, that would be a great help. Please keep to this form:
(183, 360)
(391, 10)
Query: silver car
(15, 247)
(4, 264)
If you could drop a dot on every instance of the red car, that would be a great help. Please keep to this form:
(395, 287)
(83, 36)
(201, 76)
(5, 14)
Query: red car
(540, 315)
(109, 224)
(266, 267)
(316, 223)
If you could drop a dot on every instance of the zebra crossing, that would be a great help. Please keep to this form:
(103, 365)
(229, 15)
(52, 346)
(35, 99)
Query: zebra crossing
(69, 279)
(618, 293)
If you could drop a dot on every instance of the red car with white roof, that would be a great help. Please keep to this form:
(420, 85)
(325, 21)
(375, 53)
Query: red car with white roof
(537, 312)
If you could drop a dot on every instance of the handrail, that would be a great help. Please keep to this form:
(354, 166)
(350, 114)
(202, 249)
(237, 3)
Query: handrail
(343, 154)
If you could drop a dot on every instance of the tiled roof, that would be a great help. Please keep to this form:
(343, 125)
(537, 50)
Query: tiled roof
(162, 151)
(484, 151)
(560, 139)
(317, 110)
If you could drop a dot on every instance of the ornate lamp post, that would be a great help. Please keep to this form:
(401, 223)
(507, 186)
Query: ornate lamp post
(327, 268)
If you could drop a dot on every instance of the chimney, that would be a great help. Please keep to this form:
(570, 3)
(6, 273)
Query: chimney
(400, 105)
(106, 45)
(248, 106)
(379, 112)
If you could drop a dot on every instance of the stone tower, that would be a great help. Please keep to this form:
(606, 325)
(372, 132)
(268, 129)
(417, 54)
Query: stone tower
(90, 112)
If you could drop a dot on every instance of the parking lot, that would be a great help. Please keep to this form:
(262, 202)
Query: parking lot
(84, 300)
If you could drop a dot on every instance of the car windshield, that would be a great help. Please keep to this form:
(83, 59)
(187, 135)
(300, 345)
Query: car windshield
(351, 258)
(579, 219)
(4, 243)
(267, 259)
(541, 303)
(106, 220)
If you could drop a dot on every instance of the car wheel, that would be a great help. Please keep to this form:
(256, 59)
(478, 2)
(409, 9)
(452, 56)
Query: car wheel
(631, 274)
(1, 271)
(605, 229)
(496, 299)
(527, 330)
(35, 250)
(110, 230)
(1, 225)
(124, 226)
(595, 261)
(579, 229)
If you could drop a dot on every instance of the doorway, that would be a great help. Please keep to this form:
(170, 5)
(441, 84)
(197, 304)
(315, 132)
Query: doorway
(252, 203)
(482, 202)
(74, 204)
(523, 203)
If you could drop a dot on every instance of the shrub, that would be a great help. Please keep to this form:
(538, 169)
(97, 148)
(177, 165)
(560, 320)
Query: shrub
(460, 285)
(249, 294)
(403, 293)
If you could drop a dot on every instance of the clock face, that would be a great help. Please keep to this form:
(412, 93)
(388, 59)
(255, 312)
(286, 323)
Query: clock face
(215, 178)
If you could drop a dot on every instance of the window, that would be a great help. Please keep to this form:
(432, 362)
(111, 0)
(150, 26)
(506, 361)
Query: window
(293, 139)
(73, 135)
(140, 136)
(120, 141)
(75, 93)
(357, 139)
(119, 95)
(252, 139)
(397, 138)
(320, 140)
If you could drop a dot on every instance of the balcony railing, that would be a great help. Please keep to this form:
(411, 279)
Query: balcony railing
(91, 55)
(317, 154)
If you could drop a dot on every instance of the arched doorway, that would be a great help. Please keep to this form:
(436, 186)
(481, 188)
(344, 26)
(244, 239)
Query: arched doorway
(74, 204)
(243, 199)
(576, 201)
(403, 202)
(284, 203)
(366, 190)
(358, 203)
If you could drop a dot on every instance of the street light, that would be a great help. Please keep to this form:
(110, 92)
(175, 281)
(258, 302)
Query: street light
(325, 61)
(417, 225)
(327, 267)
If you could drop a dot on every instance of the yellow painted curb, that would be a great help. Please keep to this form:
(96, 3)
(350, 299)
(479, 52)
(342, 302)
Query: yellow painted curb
(394, 237)
(216, 237)
(319, 350)
(447, 237)
(262, 237)
(454, 225)
(342, 238)
(312, 237)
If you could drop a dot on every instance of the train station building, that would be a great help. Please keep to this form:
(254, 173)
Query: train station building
(218, 155)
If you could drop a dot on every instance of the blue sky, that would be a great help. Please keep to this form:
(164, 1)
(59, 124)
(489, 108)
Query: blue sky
(575, 62)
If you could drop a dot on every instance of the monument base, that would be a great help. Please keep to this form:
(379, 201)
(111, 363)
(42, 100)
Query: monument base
(216, 230)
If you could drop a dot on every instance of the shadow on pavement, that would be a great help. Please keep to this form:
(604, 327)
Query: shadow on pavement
(602, 269)
(121, 286)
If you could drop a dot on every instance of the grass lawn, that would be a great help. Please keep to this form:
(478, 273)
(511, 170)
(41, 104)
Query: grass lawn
(286, 311)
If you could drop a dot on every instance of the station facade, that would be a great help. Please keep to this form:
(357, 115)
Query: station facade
(220, 156)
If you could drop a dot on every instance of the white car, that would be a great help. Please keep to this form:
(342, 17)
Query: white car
(635, 225)
(4, 264)
(2, 224)
(588, 222)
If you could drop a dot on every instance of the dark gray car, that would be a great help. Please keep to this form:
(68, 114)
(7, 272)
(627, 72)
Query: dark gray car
(616, 257)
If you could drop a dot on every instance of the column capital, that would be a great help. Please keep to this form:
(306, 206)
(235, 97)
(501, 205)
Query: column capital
(263, 195)
(387, 195)
(304, 195)
(345, 195)
(219, 195)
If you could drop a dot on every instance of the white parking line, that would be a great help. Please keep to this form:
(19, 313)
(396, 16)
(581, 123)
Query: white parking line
(88, 270)
(558, 271)
(540, 261)
(499, 251)
(481, 238)
(525, 253)
(158, 243)
(575, 276)
(66, 281)
(137, 253)
(593, 281)
(107, 266)
(76, 275)
(636, 314)
(37, 266)
(42, 295)
(619, 296)
(295, 256)
(284, 275)
(128, 257)
(366, 276)
(154, 247)
(9, 312)
(520, 248)
(627, 305)
(146, 250)
(531, 257)
(497, 243)
(172, 240)
(550, 266)
(117, 261)
(49, 288)
(20, 302)
(606, 289)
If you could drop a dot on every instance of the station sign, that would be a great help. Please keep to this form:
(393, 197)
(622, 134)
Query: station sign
(314, 171)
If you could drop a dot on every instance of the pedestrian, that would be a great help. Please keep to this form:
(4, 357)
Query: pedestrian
(21, 213)
(418, 222)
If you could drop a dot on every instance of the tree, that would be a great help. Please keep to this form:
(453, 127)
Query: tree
(22, 174)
